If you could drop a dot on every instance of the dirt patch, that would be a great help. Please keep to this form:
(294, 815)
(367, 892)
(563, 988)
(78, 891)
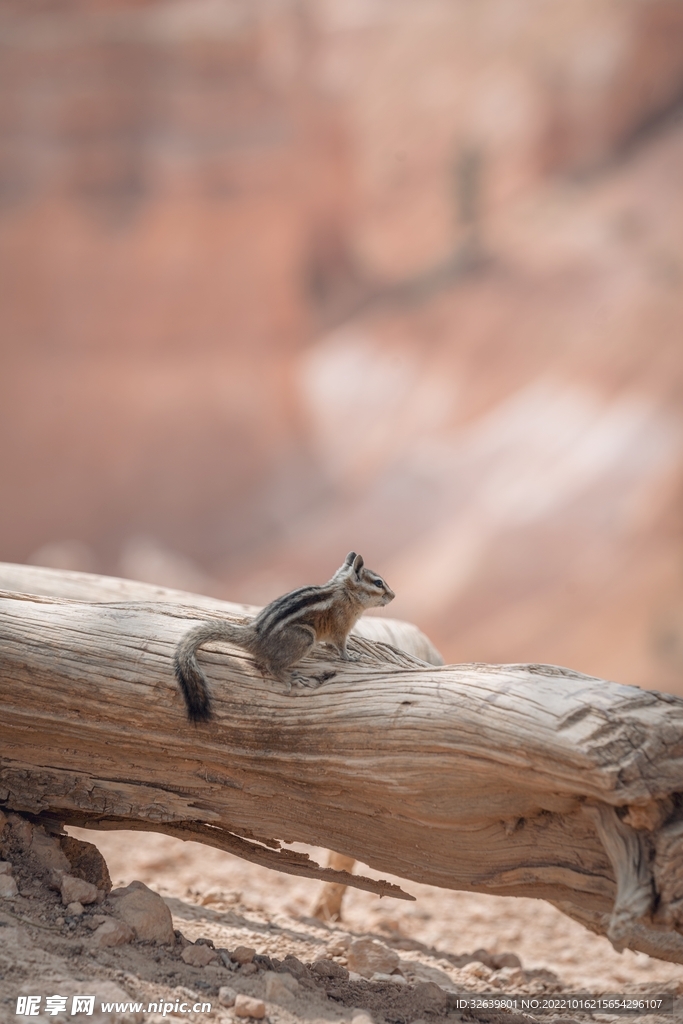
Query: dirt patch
(449, 945)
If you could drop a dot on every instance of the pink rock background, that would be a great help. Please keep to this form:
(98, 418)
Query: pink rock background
(281, 279)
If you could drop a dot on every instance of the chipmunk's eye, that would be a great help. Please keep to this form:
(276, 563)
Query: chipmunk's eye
(379, 583)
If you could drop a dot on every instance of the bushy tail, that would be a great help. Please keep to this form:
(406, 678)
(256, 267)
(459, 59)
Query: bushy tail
(191, 679)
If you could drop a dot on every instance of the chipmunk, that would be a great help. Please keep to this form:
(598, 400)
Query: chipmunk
(285, 630)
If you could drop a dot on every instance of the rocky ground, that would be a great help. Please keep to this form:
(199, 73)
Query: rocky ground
(189, 926)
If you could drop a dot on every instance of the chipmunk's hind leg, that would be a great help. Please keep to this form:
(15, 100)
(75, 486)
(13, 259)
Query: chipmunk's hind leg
(286, 648)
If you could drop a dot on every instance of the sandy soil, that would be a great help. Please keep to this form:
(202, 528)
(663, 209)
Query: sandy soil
(230, 902)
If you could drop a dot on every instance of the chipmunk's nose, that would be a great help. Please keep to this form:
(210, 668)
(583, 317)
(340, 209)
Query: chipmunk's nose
(389, 595)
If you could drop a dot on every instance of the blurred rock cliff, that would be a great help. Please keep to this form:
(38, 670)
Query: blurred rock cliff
(282, 278)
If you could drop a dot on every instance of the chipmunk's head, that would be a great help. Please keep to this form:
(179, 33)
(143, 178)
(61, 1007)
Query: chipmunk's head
(366, 586)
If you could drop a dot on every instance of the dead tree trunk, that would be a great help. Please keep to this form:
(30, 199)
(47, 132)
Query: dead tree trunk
(520, 780)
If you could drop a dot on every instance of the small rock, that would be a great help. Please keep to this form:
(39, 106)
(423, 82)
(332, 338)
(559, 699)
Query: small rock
(85, 861)
(338, 945)
(54, 878)
(395, 979)
(226, 996)
(59, 921)
(414, 971)
(248, 969)
(94, 921)
(112, 933)
(181, 939)
(22, 831)
(246, 1006)
(224, 954)
(212, 896)
(215, 972)
(294, 966)
(77, 890)
(74, 909)
(501, 960)
(430, 996)
(361, 1017)
(199, 956)
(368, 957)
(329, 969)
(483, 956)
(8, 887)
(280, 986)
(476, 969)
(5, 867)
(243, 954)
(145, 911)
(46, 852)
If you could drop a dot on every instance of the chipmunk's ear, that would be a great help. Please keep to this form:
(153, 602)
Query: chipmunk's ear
(346, 568)
(357, 564)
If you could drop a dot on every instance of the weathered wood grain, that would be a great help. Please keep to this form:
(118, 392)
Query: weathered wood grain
(512, 779)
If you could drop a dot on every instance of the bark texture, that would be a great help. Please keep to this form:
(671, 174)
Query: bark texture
(525, 780)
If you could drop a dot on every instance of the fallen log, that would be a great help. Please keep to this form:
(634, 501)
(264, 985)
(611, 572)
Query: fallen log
(519, 780)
